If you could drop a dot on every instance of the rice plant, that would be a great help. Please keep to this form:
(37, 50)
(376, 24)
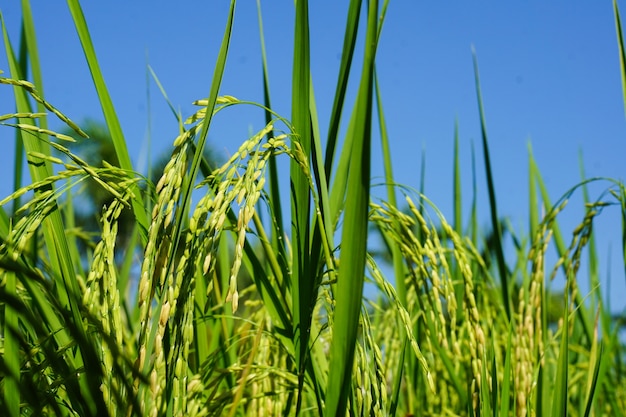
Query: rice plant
(166, 324)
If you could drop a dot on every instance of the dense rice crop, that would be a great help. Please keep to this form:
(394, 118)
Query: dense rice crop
(249, 299)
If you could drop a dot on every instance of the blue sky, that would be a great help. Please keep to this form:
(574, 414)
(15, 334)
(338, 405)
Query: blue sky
(549, 73)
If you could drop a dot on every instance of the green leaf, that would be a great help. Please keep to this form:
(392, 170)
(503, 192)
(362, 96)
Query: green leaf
(349, 42)
(622, 52)
(495, 222)
(108, 110)
(61, 267)
(354, 237)
(559, 396)
(302, 279)
(506, 378)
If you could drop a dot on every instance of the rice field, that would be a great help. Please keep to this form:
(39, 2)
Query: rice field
(248, 299)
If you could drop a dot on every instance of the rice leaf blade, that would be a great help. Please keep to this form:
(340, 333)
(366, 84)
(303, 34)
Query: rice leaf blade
(559, 397)
(302, 279)
(53, 229)
(274, 189)
(354, 237)
(495, 223)
(506, 378)
(11, 356)
(108, 110)
(533, 204)
(622, 51)
(349, 42)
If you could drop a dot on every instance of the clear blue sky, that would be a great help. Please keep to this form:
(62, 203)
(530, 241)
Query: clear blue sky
(549, 73)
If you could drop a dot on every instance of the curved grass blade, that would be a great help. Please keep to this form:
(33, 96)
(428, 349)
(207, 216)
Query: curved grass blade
(108, 110)
(11, 317)
(62, 268)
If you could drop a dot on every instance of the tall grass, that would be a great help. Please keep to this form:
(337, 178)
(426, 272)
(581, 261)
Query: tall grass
(449, 331)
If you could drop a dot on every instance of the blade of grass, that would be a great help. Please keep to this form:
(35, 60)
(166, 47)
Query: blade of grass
(473, 222)
(188, 183)
(108, 110)
(396, 255)
(18, 158)
(33, 53)
(622, 199)
(495, 223)
(506, 378)
(620, 45)
(593, 270)
(197, 162)
(559, 396)
(275, 249)
(216, 82)
(323, 240)
(593, 375)
(11, 354)
(340, 178)
(487, 408)
(312, 361)
(349, 41)
(11, 317)
(69, 220)
(302, 280)
(275, 198)
(56, 243)
(422, 193)
(533, 204)
(397, 380)
(354, 237)
(561, 248)
(456, 186)
(533, 210)
(322, 245)
(28, 51)
(5, 223)
(223, 326)
(148, 127)
(458, 217)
